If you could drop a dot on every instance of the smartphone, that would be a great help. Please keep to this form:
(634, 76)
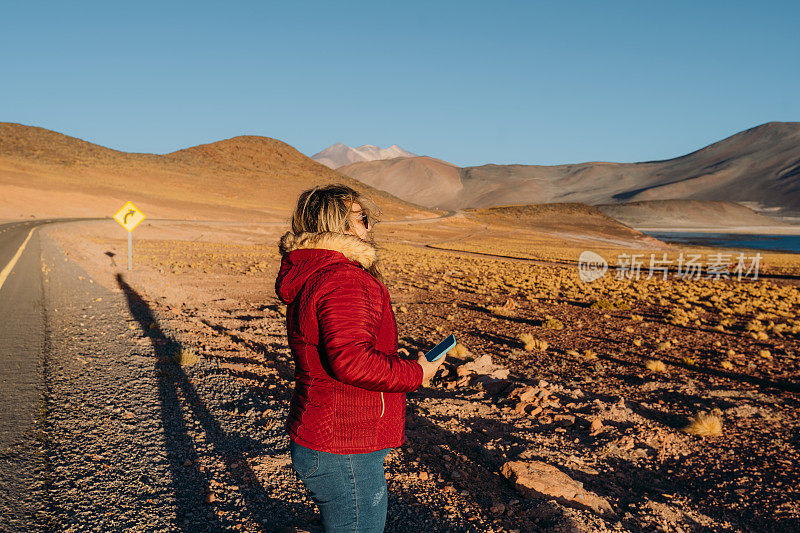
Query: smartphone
(440, 349)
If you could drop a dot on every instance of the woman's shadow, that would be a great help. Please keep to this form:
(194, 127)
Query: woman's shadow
(182, 407)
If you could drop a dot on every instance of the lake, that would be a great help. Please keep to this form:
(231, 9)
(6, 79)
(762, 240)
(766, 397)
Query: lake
(784, 243)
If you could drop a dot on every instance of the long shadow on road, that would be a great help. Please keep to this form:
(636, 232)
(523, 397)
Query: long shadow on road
(181, 407)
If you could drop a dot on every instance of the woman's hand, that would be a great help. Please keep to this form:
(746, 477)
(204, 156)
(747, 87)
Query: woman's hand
(428, 369)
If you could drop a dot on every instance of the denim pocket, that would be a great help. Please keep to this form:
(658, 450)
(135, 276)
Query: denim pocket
(304, 460)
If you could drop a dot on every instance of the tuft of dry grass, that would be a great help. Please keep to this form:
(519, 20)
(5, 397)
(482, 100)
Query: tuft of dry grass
(654, 365)
(531, 343)
(704, 425)
(185, 356)
(727, 365)
(508, 309)
(602, 303)
(552, 323)
(589, 355)
(460, 351)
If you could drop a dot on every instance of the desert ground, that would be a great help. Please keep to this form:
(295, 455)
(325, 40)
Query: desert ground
(617, 405)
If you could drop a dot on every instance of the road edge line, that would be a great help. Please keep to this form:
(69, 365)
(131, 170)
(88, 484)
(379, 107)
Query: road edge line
(7, 270)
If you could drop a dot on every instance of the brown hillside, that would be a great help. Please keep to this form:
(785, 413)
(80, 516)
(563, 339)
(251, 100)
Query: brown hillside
(565, 220)
(687, 214)
(45, 174)
(428, 181)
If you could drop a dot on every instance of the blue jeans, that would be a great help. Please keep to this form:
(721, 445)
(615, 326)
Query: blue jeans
(350, 490)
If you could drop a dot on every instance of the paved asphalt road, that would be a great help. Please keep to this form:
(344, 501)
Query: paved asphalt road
(22, 334)
(21, 330)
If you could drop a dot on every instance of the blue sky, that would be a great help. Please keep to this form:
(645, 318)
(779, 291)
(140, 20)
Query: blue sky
(468, 82)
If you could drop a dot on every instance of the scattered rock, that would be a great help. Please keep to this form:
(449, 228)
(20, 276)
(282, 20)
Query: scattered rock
(540, 480)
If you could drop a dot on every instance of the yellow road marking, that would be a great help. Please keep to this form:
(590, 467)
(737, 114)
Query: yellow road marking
(7, 270)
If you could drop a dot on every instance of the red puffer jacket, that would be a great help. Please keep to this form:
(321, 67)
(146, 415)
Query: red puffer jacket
(349, 394)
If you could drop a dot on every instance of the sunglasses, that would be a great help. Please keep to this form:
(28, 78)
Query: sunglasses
(364, 220)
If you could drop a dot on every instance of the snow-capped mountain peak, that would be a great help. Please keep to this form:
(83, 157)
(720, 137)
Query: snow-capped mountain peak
(339, 155)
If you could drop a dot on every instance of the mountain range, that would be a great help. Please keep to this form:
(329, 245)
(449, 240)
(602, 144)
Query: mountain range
(339, 154)
(47, 174)
(758, 168)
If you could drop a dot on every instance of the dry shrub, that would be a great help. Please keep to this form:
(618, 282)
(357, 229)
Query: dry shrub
(704, 425)
(460, 351)
(552, 323)
(688, 361)
(185, 356)
(754, 325)
(727, 365)
(637, 342)
(508, 309)
(589, 355)
(531, 343)
(602, 303)
(654, 365)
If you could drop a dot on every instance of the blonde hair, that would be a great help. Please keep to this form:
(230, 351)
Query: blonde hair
(327, 209)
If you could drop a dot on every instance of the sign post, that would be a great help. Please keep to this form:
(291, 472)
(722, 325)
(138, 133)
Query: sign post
(129, 217)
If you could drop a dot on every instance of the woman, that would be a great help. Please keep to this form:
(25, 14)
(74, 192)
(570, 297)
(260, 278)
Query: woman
(348, 408)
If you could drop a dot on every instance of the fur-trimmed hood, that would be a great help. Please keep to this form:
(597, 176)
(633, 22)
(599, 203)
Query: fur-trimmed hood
(314, 251)
(350, 246)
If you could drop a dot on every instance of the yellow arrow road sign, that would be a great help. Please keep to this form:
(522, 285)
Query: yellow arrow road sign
(129, 216)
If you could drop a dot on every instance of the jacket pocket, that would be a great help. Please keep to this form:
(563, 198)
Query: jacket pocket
(304, 460)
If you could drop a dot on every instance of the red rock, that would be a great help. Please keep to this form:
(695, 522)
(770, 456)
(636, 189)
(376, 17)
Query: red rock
(481, 365)
(500, 373)
(540, 480)
(564, 420)
(528, 394)
(464, 371)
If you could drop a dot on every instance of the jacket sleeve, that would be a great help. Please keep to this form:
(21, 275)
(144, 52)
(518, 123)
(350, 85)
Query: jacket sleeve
(349, 317)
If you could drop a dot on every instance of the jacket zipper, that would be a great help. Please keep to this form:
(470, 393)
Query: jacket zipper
(383, 406)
